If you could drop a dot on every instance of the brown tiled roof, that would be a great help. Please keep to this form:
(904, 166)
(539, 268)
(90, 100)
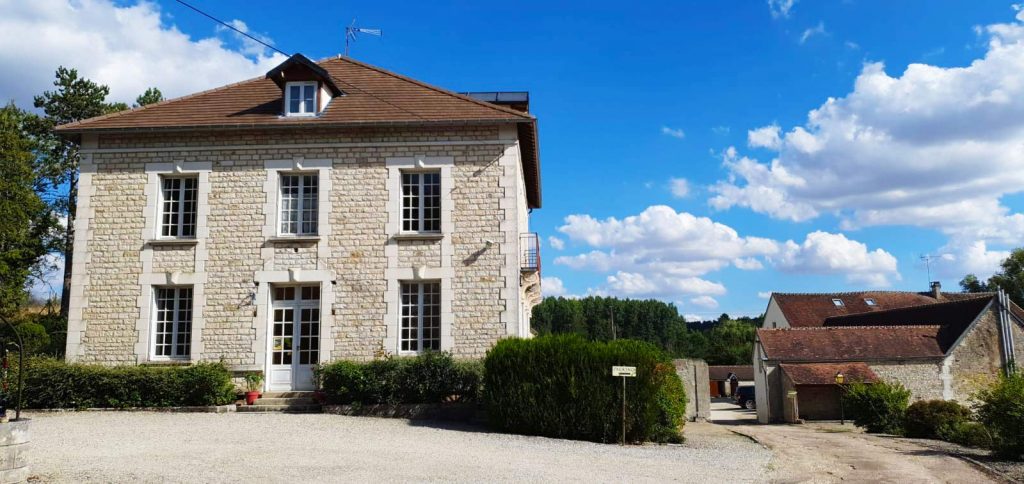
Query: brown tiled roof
(825, 373)
(372, 96)
(811, 310)
(722, 372)
(855, 343)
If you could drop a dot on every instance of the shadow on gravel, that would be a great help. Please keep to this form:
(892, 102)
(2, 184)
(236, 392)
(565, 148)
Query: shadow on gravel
(450, 425)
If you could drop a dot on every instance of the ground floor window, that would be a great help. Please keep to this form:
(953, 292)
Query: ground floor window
(172, 334)
(421, 316)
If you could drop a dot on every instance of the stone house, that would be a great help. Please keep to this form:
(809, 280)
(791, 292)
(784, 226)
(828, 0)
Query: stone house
(328, 210)
(938, 345)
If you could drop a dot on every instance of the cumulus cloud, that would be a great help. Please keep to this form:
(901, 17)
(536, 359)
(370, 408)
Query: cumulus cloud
(680, 187)
(667, 254)
(552, 286)
(813, 31)
(826, 253)
(556, 243)
(764, 294)
(128, 48)
(932, 147)
(673, 132)
(780, 8)
(706, 302)
(764, 137)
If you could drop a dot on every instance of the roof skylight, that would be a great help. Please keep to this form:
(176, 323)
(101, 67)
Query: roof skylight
(838, 303)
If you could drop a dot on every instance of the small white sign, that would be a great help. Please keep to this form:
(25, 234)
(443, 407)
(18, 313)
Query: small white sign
(624, 371)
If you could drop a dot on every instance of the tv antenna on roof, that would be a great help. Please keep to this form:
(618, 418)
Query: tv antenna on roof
(352, 30)
(928, 258)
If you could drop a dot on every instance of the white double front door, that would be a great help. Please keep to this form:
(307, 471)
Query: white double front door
(294, 338)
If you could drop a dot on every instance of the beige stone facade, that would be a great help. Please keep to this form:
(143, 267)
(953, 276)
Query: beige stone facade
(357, 260)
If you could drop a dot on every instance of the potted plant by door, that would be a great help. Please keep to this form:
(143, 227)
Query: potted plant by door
(253, 383)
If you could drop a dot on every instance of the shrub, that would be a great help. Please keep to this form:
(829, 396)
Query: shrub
(561, 386)
(925, 418)
(51, 383)
(878, 407)
(1001, 409)
(432, 377)
(971, 434)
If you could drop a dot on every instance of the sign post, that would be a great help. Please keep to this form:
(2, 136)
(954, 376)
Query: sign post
(624, 372)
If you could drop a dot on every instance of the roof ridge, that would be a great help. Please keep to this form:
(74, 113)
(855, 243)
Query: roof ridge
(339, 57)
(845, 293)
(161, 103)
(870, 326)
(906, 308)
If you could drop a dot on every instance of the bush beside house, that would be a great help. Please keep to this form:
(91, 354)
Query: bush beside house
(929, 419)
(878, 407)
(52, 383)
(432, 377)
(561, 386)
(1001, 410)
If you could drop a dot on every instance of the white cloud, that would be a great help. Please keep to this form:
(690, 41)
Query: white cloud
(932, 147)
(680, 187)
(813, 31)
(667, 254)
(556, 243)
(706, 302)
(764, 137)
(552, 286)
(128, 48)
(673, 132)
(851, 45)
(780, 8)
(764, 294)
(721, 130)
(826, 253)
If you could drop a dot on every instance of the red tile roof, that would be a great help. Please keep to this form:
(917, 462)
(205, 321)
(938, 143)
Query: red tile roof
(811, 310)
(722, 372)
(857, 343)
(825, 373)
(372, 96)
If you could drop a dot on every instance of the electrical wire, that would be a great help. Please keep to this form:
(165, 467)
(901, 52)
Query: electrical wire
(232, 27)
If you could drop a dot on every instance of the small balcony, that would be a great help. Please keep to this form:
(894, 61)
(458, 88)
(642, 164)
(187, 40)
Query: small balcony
(530, 258)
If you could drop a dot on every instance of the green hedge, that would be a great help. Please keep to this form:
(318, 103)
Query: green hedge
(561, 386)
(928, 419)
(878, 407)
(52, 383)
(432, 377)
(1002, 411)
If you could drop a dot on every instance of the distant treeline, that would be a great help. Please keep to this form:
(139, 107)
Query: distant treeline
(725, 341)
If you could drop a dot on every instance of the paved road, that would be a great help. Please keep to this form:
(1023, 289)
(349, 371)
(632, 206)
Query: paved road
(194, 448)
(723, 411)
(830, 453)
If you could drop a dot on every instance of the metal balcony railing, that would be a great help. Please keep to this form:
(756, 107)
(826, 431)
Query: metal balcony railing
(530, 246)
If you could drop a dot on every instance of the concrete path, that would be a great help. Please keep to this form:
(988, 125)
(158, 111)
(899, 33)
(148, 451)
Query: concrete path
(830, 453)
(723, 411)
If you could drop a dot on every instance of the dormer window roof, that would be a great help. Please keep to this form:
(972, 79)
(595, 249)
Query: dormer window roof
(306, 88)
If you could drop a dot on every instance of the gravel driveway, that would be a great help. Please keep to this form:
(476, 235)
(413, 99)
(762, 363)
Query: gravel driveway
(158, 447)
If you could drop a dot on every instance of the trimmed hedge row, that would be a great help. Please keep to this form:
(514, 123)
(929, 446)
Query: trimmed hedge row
(433, 377)
(52, 383)
(561, 386)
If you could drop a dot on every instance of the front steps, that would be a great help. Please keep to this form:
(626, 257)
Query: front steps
(284, 402)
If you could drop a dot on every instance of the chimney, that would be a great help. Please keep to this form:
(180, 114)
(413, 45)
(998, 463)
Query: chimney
(936, 287)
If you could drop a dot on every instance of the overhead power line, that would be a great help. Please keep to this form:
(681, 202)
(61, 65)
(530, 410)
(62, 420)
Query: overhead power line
(232, 27)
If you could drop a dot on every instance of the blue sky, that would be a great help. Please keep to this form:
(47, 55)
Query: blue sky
(634, 101)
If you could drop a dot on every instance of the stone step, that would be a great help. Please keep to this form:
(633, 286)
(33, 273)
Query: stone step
(279, 408)
(286, 401)
(287, 395)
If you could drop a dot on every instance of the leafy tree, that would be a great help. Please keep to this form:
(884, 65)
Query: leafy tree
(151, 96)
(26, 223)
(74, 99)
(1010, 278)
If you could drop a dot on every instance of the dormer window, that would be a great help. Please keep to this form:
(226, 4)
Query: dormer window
(300, 98)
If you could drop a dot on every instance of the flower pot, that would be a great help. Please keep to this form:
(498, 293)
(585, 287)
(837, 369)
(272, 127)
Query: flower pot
(250, 397)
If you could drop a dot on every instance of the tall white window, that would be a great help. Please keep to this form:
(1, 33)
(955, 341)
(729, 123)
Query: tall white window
(421, 201)
(172, 332)
(421, 317)
(298, 214)
(178, 207)
(300, 98)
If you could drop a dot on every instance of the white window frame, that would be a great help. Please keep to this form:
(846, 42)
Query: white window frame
(302, 203)
(420, 287)
(302, 107)
(420, 211)
(161, 210)
(176, 333)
